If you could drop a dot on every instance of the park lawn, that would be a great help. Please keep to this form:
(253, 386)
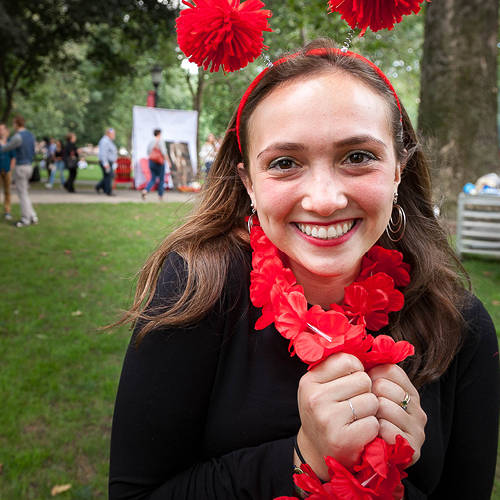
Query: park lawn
(61, 280)
(93, 172)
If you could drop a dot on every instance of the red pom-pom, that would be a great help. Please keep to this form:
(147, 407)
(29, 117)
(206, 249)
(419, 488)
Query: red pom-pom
(374, 14)
(222, 32)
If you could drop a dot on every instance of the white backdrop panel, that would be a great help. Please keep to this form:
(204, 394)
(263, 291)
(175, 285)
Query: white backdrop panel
(176, 126)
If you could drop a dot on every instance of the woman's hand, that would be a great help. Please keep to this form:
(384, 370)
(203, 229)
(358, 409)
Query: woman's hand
(390, 384)
(329, 425)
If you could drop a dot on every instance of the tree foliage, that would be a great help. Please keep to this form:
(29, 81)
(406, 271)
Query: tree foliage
(35, 34)
(106, 70)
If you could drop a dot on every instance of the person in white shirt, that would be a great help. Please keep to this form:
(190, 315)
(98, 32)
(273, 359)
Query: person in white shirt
(108, 154)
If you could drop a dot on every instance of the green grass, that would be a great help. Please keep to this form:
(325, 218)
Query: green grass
(486, 284)
(61, 280)
(59, 372)
(92, 173)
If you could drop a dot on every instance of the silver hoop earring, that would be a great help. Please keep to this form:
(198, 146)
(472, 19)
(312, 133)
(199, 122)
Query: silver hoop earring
(397, 226)
(250, 218)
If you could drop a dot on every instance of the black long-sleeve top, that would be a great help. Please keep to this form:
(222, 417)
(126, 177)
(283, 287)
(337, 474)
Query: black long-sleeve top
(69, 149)
(210, 412)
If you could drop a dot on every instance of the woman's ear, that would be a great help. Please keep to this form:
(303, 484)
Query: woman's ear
(402, 165)
(245, 178)
(397, 174)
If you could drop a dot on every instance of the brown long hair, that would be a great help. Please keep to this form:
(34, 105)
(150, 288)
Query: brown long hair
(215, 232)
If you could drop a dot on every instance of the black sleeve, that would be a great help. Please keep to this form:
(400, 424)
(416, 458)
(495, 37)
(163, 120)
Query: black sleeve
(162, 403)
(65, 152)
(470, 416)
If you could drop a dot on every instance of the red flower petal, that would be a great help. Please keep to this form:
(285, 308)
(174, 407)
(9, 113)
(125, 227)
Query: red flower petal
(382, 466)
(344, 485)
(376, 320)
(222, 32)
(310, 482)
(373, 298)
(354, 342)
(333, 323)
(264, 321)
(386, 350)
(309, 347)
(292, 314)
(374, 14)
(381, 260)
(264, 277)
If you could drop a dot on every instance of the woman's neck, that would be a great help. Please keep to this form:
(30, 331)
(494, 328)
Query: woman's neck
(322, 290)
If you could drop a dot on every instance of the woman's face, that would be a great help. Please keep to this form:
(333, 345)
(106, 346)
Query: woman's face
(322, 173)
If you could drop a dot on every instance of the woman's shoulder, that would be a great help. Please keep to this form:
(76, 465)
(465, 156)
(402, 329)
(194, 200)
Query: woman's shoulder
(477, 319)
(174, 275)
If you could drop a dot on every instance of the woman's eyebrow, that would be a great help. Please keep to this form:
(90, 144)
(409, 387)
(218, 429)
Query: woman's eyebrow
(359, 139)
(284, 146)
(298, 146)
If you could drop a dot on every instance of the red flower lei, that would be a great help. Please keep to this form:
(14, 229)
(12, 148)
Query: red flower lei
(314, 334)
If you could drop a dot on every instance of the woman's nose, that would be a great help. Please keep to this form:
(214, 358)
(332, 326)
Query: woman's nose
(324, 193)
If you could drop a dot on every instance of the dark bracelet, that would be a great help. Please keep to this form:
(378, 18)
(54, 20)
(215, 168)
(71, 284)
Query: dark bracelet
(296, 446)
(299, 492)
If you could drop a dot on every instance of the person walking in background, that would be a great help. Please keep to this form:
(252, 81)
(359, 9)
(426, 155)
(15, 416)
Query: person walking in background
(208, 152)
(108, 155)
(7, 163)
(23, 143)
(50, 162)
(70, 158)
(58, 165)
(157, 152)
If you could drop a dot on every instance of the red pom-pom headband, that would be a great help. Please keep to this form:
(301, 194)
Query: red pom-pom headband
(312, 52)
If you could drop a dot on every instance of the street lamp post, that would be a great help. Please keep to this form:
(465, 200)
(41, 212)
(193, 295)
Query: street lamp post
(156, 77)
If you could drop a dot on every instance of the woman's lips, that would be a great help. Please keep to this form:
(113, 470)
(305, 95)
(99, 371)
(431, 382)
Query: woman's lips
(328, 232)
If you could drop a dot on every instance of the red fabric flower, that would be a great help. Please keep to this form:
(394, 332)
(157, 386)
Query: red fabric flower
(382, 466)
(385, 350)
(329, 332)
(373, 298)
(292, 316)
(374, 14)
(377, 476)
(346, 485)
(381, 260)
(222, 32)
(264, 276)
(260, 242)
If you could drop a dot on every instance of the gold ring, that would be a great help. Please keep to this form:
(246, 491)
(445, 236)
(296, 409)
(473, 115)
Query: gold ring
(406, 401)
(352, 409)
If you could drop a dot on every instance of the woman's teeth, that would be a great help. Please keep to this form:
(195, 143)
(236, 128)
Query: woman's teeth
(326, 232)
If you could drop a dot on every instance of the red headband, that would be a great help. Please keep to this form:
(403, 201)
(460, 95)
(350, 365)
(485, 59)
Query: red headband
(313, 52)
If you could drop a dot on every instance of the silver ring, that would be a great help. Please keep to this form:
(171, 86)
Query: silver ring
(406, 401)
(352, 409)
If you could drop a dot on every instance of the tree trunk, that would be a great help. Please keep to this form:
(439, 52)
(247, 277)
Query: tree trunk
(458, 108)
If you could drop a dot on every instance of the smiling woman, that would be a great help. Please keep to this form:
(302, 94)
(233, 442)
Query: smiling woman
(321, 164)
(321, 155)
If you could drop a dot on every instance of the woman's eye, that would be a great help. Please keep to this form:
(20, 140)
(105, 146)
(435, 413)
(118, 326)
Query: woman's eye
(358, 157)
(282, 164)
